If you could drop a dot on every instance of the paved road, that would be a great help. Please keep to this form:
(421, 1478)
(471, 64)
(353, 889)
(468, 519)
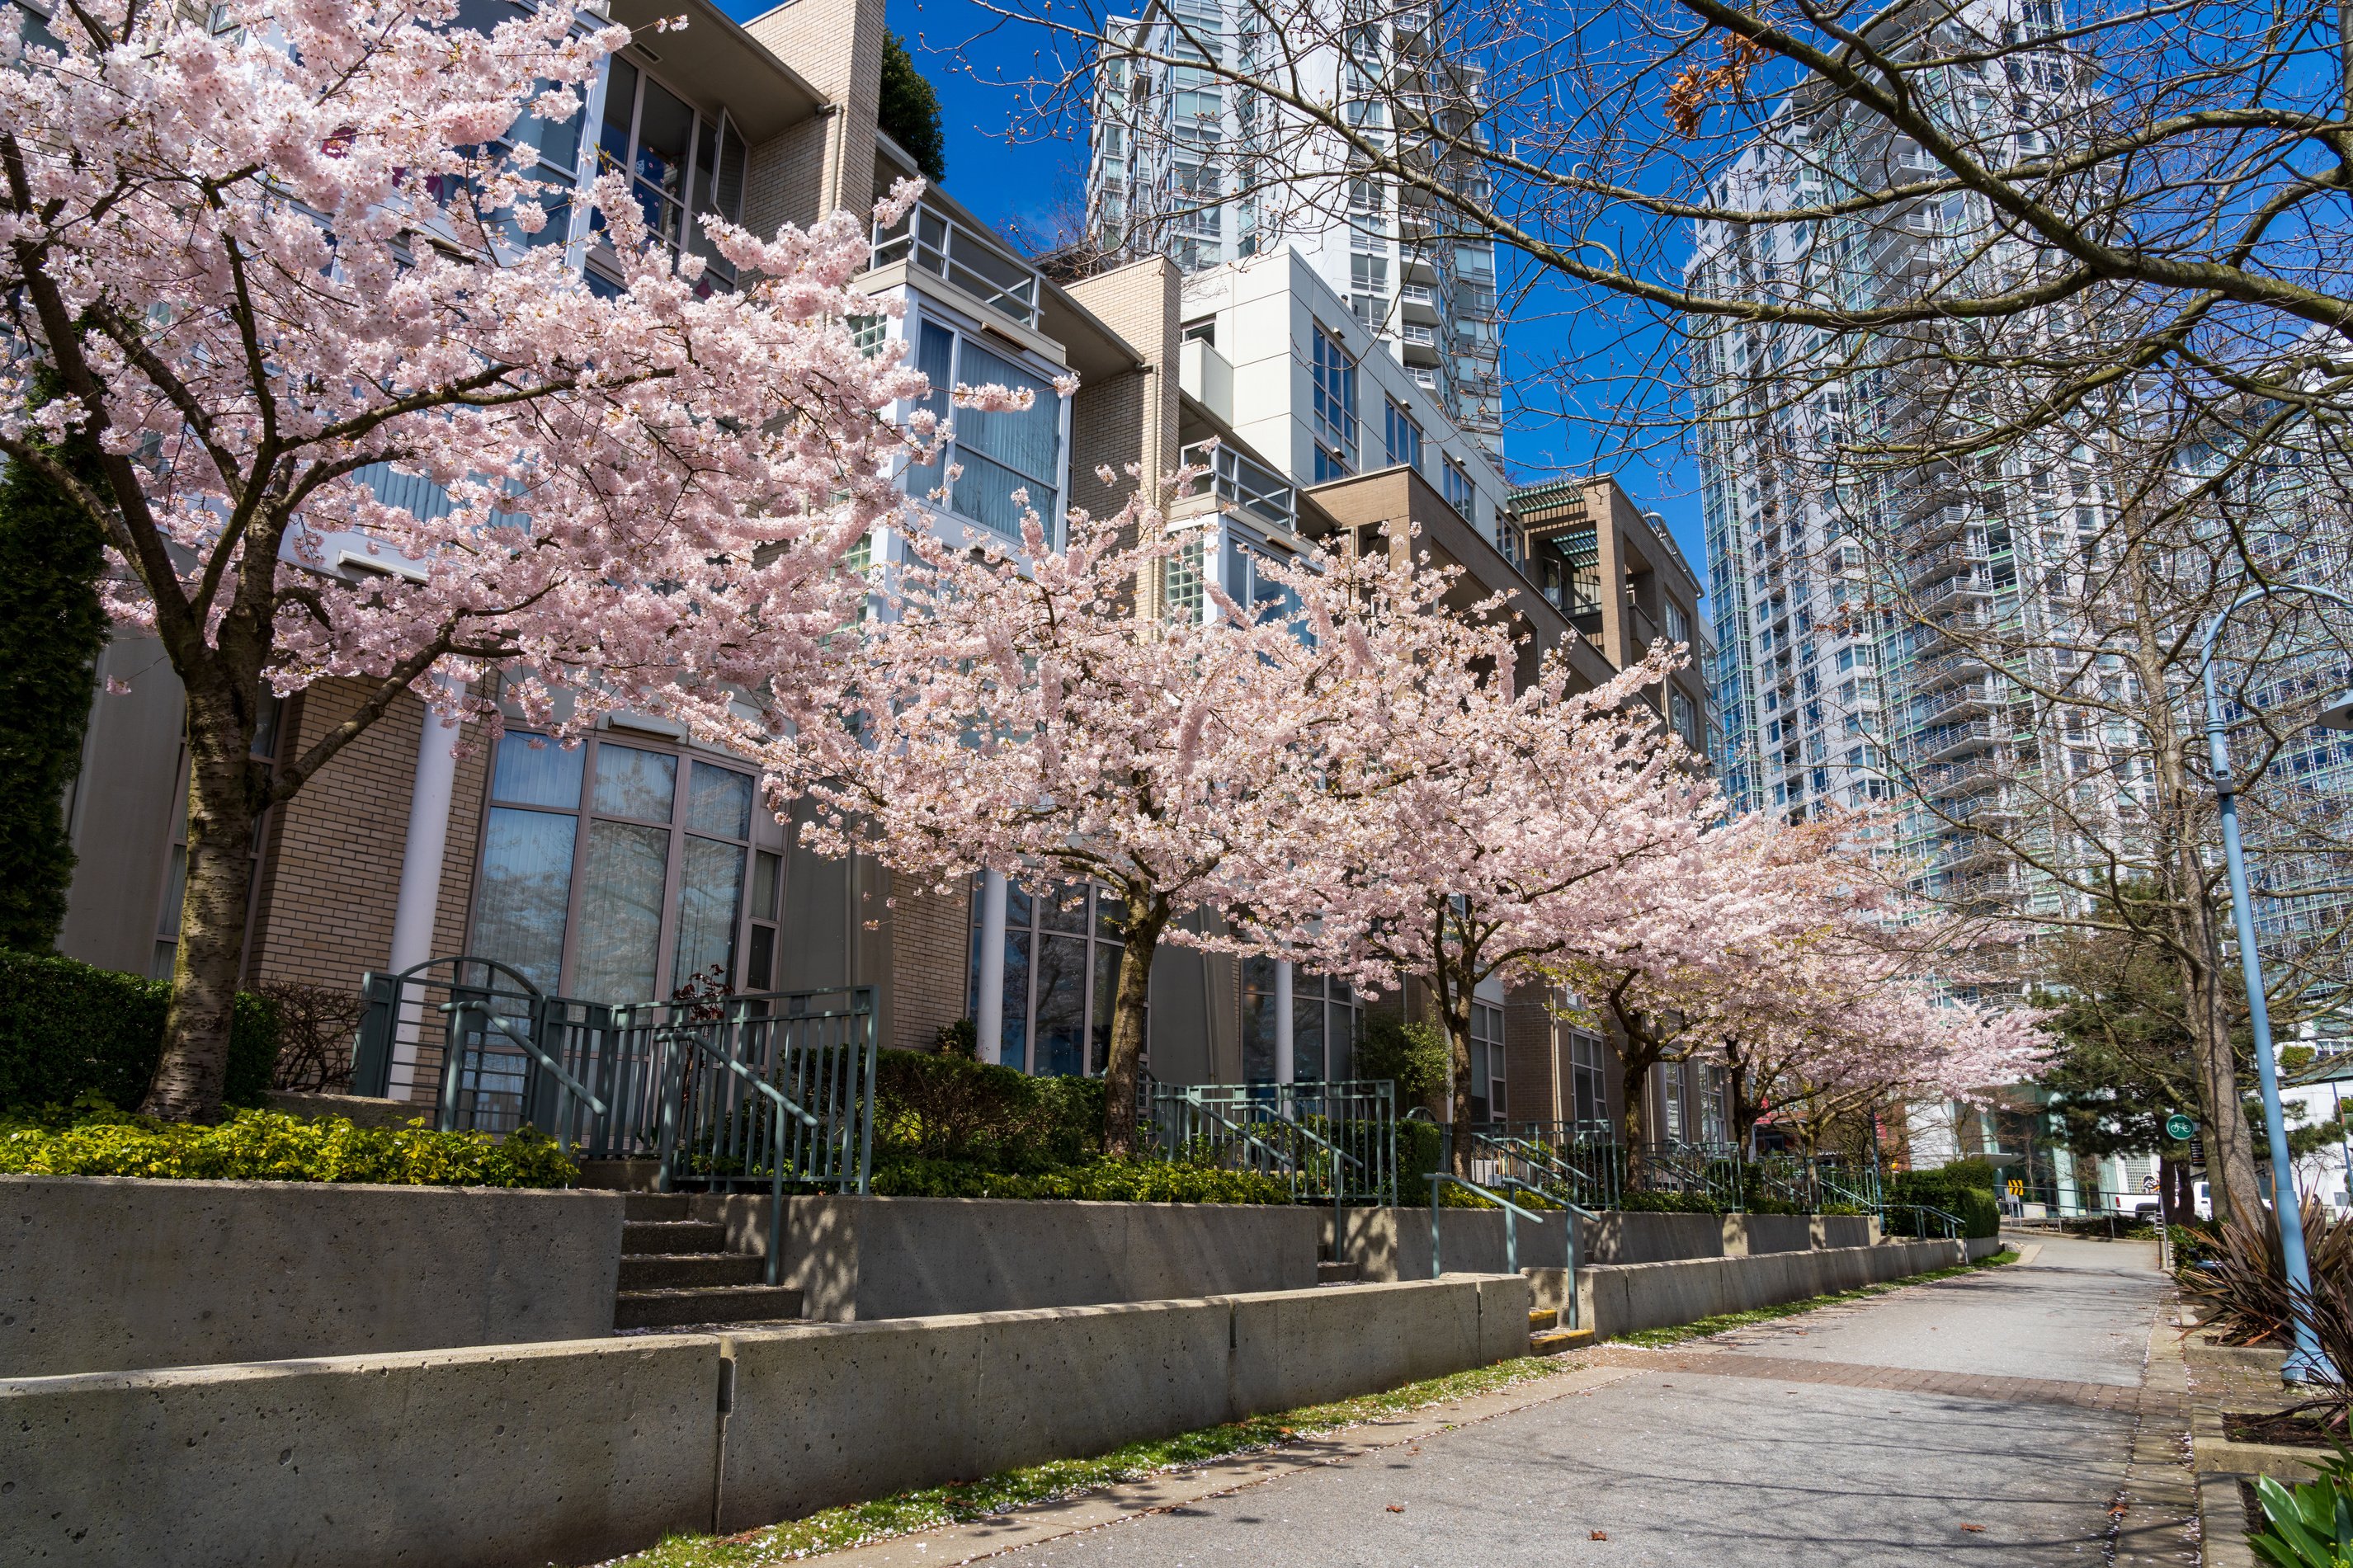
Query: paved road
(1679, 1464)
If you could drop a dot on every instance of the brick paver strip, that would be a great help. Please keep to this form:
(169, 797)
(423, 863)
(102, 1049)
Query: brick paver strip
(1789, 1369)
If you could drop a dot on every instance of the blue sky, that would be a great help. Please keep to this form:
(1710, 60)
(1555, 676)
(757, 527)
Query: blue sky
(1018, 183)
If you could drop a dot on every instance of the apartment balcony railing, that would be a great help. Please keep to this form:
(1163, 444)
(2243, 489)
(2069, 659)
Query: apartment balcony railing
(1966, 852)
(1970, 620)
(1926, 566)
(1952, 704)
(1962, 587)
(1245, 484)
(1954, 780)
(1925, 674)
(1415, 333)
(1417, 295)
(960, 255)
(1424, 376)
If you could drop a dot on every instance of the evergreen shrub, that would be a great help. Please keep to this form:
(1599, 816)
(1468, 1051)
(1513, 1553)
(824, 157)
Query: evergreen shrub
(69, 1031)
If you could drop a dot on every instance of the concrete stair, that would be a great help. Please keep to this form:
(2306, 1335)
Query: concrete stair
(676, 1271)
(1547, 1337)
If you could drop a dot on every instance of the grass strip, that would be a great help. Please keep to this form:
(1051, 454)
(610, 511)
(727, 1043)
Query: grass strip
(1724, 1321)
(964, 1502)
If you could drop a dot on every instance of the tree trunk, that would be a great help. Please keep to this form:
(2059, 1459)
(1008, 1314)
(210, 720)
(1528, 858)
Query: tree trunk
(2174, 1193)
(1147, 919)
(1633, 1123)
(194, 1069)
(2229, 1147)
(1454, 1016)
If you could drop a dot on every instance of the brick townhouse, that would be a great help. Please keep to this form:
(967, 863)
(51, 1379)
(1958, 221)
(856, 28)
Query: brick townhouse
(614, 871)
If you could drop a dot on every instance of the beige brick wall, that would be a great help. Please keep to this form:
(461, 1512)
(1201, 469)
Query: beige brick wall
(836, 45)
(931, 957)
(1131, 417)
(331, 876)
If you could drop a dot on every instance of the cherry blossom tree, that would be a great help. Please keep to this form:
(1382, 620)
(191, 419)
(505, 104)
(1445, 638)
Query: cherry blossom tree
(285, 263)
(1483, 833)
(1036, 714)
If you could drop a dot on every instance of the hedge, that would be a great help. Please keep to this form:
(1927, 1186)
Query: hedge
(270, 1146)
(1137, 1181)
(1952, 1189)
(69, 1030)
(934, 1106)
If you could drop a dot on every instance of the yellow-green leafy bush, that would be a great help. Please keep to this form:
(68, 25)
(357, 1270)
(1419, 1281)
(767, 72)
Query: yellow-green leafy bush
(269, 1146)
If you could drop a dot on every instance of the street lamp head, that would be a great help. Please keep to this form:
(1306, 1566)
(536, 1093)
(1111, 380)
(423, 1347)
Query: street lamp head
(2338, 714)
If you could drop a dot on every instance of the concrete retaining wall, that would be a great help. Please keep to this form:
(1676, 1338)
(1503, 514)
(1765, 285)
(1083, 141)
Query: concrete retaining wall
(103, 1273)
(567, 1453)
(1394, 1243)
(485, 1459)
(1620, 1299)
(859, 1259)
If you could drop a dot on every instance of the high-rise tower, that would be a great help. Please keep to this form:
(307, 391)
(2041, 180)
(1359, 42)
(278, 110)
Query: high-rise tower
(1199, 170)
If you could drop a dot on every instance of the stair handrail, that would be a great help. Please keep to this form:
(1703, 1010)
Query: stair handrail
(1538, 1155)
(1953, 1222)
(1282, 1158)
(1513, 1214)
(505, 1025)
(779, 1102)
(1575, 1211)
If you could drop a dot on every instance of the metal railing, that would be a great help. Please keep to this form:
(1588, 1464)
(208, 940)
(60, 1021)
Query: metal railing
(816, 1060)
(1333, 1142)
(958, 254)
(1950, 1226)
(1513, 1214)
(678, 1081)
(1241, 483)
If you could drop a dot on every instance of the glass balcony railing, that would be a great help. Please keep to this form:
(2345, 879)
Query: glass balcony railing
(957, 254)
(1245, 484)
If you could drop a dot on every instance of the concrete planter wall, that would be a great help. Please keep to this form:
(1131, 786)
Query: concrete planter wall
(859, 1259)
(489, 1457)
(1621, 1297)
(107, 1272)
(1394, 1243)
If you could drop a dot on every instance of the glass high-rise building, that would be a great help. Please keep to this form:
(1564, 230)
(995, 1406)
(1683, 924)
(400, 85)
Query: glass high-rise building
(1184, 165)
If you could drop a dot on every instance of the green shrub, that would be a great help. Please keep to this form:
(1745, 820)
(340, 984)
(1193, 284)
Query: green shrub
(2311, 1525)
(1633, 1202)
(270, 1146)
(1952, 1188)
(1416, 1058)
(937, 1106)
(1101, 1181)
(69, 1030)
(1421, 1150)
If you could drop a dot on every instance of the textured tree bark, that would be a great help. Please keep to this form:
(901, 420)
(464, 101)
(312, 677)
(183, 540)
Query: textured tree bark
(1454, 1014)
(1147, 917)
(222, 809)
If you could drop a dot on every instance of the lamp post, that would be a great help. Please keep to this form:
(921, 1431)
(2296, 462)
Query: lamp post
(2305, 1363)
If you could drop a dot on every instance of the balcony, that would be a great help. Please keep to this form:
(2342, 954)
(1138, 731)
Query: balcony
(1942, 742)
(1961, 588)
(1955, 781)
(1927, 673)
(960, 256)
(1243, 485)
(1420, 300)
(1957, 555)
(1969, 621)
(1966, 852)
(1425, 376)
(1954, 703)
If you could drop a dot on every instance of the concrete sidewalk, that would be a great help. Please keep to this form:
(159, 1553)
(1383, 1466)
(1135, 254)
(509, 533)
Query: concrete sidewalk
(1985, 1419)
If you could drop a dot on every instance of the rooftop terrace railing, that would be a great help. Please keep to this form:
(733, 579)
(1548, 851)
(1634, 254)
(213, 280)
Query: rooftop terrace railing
(958, 254)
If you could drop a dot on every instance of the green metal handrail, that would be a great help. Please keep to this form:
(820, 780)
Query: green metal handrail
(1954, 1224)
(456, 1011)
(779, 1104)
(1575, 1212)
(1512, 1214)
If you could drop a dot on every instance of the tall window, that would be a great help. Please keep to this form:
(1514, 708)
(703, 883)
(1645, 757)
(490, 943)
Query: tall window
(996, 453)
(1403, 437)
(1487, 1100)
(1257, 1019)
(1589, 1088)
(1324, 1025)
(1460, 493)
(680, 163)
(613, 872)
(1333, 421)
(1062, 974)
